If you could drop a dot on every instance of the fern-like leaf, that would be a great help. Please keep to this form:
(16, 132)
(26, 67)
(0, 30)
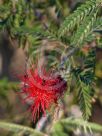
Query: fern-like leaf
(84, 30)
(77, 16)
(85, 78)
(85, 126)
(19, 128)
(85, 100)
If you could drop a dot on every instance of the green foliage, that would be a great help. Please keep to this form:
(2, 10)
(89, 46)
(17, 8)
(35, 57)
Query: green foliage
(78, 16)
(19, 128)
(84, 30)
(58, 128)
(85, 126)
(87, 68)
(85, 77)
(69, 125)
(85, 100)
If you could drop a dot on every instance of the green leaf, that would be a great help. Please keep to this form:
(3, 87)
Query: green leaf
(76, 18)
(84, 30)
(84, 79)
(85, 126)
(19, 128)
(85, 100)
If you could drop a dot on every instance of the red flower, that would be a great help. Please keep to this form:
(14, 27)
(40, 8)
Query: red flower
(43, 89)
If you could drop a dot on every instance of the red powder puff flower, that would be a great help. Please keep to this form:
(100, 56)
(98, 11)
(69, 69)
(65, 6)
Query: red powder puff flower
(43, 89)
